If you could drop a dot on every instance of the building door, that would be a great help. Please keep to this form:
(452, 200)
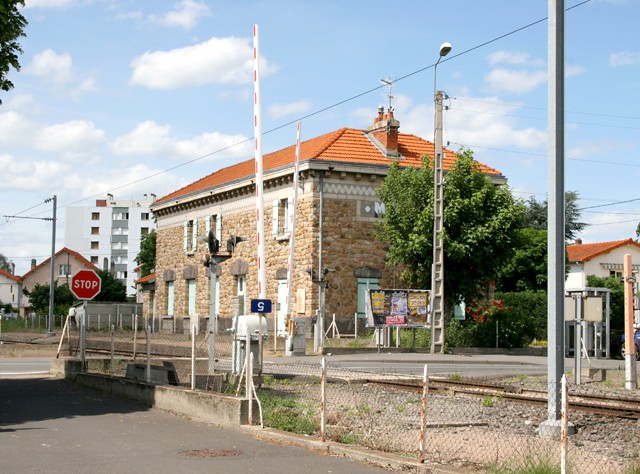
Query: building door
(282, 307)
(365, 284)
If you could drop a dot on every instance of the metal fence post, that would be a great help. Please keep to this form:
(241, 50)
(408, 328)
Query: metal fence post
(83, 337)
(193, 357)
(323, 407)
(423, 418)
(147, 372)
(135, 335)
(563, 428)
(249, 381)
(113, 349)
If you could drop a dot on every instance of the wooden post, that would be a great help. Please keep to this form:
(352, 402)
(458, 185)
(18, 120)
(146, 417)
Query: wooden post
(631, 381)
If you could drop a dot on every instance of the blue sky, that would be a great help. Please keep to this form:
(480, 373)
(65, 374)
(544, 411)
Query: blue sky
(134, 97)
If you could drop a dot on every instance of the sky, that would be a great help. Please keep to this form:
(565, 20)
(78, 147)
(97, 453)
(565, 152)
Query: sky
(139, 97)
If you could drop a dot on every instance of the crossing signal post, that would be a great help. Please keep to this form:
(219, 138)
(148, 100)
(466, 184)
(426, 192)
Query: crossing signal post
(212, 261)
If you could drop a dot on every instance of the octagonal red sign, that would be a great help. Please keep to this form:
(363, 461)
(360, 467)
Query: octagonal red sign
(85, 284)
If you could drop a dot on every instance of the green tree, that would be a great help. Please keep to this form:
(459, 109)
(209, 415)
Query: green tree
(527, 270)
(62, 299)
(5, 263)
(12, 25)
(481, 221)
(111, 289)
(147, 256)
(536, 215)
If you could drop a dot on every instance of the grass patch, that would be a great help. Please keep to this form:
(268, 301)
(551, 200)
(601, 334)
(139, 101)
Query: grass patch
(530, 464)
(456, 377)
(487, 401)
(285, 412)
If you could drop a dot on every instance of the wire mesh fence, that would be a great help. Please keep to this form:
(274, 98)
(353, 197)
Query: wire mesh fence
(488, 425)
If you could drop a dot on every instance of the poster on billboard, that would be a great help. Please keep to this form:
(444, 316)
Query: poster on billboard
(394, 307)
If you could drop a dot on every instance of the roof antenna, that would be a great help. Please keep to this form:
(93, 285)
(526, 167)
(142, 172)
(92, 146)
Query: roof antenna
(389, 83)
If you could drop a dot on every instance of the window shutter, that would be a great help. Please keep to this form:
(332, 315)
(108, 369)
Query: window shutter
(289, 225)
(194, 235)
(186, 234)
(219, 227)
(208, 224)
(274, 219)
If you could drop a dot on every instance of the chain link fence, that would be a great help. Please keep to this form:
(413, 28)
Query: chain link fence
(486, 425)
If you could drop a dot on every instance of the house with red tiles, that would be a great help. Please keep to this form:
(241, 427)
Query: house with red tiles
(601, 259)
(10, 289)
(337, 210)
(67, 263)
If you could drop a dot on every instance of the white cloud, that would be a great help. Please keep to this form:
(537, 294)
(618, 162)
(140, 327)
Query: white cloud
(55, 68)
(281, 110)
(481, 122)
(216, 61)
(77, 141)
(514, 82)
(514, 58)
(185, 15)
(624, 58)
(16, 129)
(48, 3)
(25, 175)
(570, 71)
(149, 138)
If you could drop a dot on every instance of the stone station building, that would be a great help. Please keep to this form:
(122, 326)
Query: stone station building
(337, 211)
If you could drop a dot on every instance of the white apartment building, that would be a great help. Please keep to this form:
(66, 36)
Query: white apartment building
(109, 234)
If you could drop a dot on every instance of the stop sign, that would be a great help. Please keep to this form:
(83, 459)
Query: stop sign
(85, 284)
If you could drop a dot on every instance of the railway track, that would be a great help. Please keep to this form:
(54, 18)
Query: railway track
(613, 405)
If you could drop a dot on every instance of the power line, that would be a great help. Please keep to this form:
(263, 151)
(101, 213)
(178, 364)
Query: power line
(324, 109)
(610, 204)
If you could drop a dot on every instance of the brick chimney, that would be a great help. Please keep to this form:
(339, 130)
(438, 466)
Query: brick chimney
(384, 133)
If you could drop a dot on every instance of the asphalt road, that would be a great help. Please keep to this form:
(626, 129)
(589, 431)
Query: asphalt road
(53, 426)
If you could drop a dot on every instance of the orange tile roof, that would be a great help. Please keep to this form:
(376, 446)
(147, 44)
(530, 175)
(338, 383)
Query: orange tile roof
(585, 252)
(146, 279)
(348, 145)
(75, 254)
(10, 276)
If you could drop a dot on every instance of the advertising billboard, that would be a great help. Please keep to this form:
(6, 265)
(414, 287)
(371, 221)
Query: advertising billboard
(394, 307)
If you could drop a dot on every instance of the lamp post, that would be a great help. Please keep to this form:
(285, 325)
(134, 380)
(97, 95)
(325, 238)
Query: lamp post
(437, 267)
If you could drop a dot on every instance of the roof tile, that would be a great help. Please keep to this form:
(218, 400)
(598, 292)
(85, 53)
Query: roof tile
(585, 252)
(347, 145)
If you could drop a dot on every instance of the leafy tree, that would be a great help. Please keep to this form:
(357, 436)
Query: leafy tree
(111, 289)
(5, 263)
(480, 225)
(62, 299)
(536, 215)
(147, 256)
(527, 270)
(12, 25)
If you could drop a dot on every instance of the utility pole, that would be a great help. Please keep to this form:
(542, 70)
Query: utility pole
(437, 273)
(52, 273)
(631, 377)
(551, 427)
(437, 267)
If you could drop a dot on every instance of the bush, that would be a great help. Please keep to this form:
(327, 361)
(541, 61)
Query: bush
(509, 320)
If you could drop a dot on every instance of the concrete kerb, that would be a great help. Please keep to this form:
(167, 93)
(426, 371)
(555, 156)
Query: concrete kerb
(384, 460)
(206, 406)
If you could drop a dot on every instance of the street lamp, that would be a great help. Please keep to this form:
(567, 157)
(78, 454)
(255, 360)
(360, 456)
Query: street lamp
(437, 267)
